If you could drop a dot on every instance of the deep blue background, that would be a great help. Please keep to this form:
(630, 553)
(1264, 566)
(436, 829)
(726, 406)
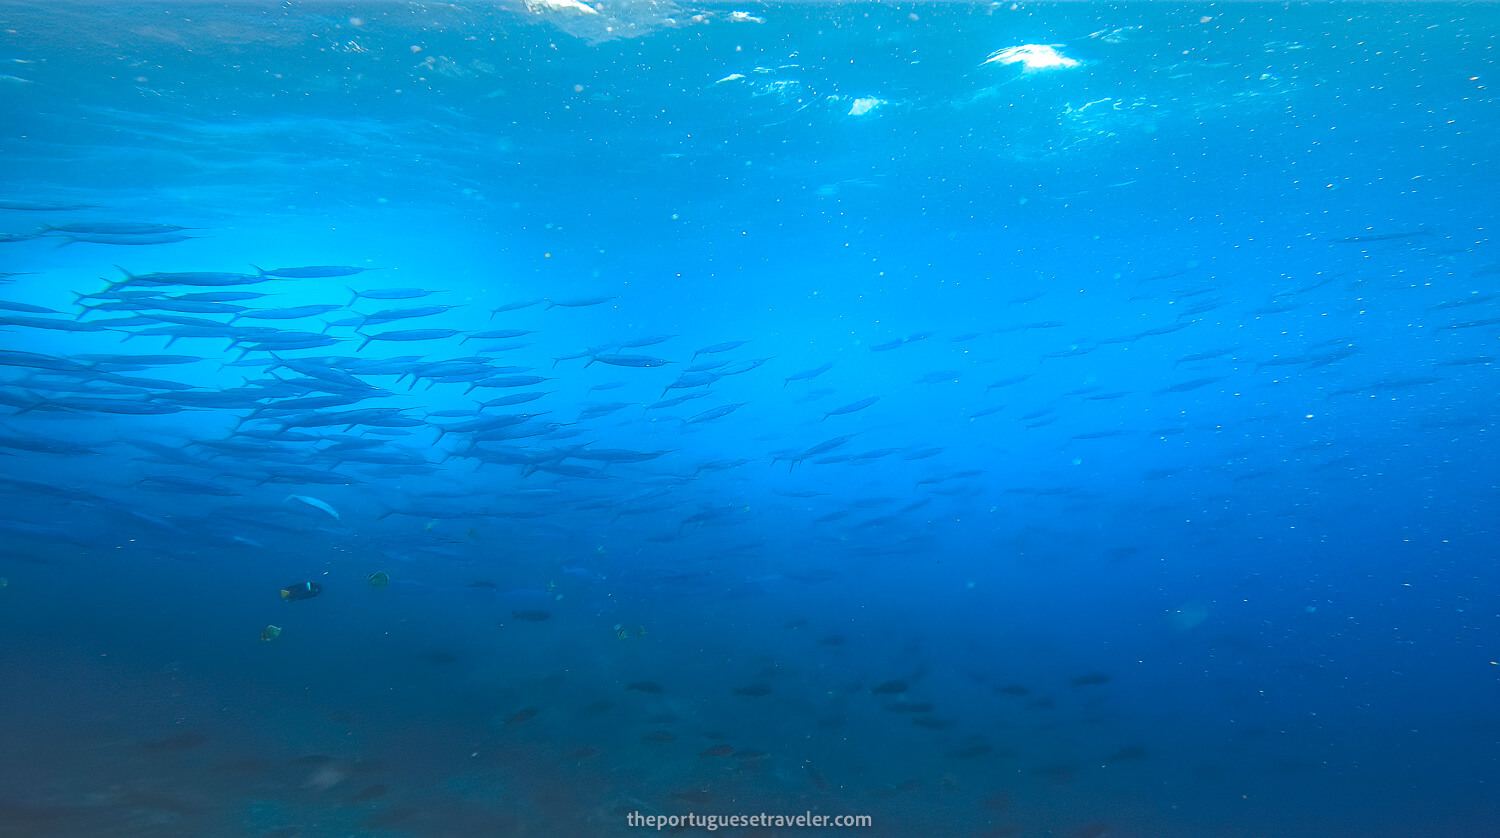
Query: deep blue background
(1264, 605)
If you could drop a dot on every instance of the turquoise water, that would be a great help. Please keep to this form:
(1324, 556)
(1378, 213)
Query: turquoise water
(1055, 421)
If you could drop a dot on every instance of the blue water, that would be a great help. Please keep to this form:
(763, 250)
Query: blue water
(1103, 444)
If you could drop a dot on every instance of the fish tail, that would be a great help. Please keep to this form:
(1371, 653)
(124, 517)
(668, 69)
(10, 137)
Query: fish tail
(37, 402)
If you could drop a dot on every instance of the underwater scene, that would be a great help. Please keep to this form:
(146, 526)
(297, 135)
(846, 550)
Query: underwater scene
(581, 418)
